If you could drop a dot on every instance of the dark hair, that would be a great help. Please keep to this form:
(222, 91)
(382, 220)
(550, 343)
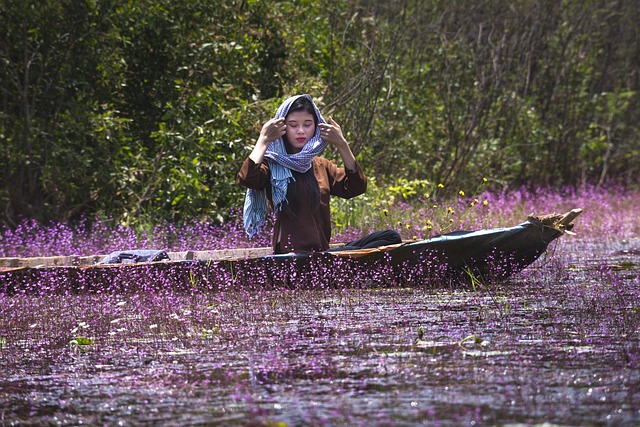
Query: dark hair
(305, 183)
(304, 104)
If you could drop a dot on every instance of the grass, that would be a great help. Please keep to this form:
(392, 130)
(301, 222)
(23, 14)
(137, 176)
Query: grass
(558, 343)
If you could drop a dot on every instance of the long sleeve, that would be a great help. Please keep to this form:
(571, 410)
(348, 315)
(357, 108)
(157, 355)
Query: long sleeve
(345, 183)
(253, 175)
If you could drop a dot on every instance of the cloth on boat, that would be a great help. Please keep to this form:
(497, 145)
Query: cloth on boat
(280, 163)
(373, 240)
(307, 231)
(135, 256)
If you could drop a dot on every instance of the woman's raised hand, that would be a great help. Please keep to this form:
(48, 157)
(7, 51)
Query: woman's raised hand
(332, 133)
(272, 130)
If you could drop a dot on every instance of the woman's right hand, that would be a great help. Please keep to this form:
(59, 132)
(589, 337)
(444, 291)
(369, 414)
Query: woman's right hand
(272, 130)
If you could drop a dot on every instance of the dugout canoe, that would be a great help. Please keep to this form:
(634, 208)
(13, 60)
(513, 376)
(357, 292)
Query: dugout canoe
(458, 255)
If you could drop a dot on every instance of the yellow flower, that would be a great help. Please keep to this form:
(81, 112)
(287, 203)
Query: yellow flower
(429, 222)
(484, 180)
(485, 203)
(461, 193)
(435, 206)
(385, 212)
(408, 226)
(440, 185)
(450, 210)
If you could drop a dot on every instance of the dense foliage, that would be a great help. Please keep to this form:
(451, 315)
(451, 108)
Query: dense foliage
(144, 110)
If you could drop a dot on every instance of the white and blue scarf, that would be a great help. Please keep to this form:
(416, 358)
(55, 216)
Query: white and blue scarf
(280, 163)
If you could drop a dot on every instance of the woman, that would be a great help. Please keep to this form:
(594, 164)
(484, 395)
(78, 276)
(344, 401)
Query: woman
(283, 171)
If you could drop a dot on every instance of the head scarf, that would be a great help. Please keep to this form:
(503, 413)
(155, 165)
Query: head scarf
(281, 163)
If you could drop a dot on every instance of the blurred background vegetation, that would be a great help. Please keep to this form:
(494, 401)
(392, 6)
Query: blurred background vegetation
(144, 110)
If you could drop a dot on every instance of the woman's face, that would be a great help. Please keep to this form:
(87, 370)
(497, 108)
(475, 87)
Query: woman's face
(300, 129)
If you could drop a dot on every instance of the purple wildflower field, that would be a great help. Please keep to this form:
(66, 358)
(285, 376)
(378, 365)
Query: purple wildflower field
(556, 344)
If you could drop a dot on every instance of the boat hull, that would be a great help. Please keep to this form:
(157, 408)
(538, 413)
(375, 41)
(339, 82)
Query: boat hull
(458, 257)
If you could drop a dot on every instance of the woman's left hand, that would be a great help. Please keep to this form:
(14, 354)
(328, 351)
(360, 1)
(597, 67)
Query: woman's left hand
(332, 133)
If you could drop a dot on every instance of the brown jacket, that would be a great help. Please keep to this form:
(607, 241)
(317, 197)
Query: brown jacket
(309, 231)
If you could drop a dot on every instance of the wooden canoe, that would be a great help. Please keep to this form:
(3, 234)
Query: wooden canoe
(458, 255)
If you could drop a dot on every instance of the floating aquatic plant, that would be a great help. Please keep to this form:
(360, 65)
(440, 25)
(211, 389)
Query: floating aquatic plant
(275, 345)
